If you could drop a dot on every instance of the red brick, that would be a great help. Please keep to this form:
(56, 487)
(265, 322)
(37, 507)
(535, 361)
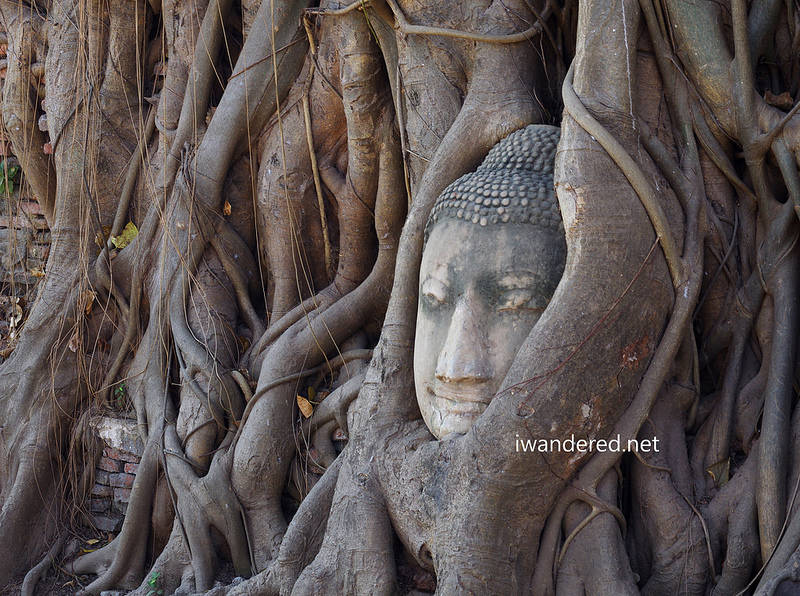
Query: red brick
(99, 505)
(102, 490)
(122, 495)
(131, 468)
(121, 455)
(23, 222)
(15, 222)
(109, 465)
(31, 207)
(121, 480)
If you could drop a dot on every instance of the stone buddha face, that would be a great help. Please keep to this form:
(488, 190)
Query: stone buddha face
(487, 275)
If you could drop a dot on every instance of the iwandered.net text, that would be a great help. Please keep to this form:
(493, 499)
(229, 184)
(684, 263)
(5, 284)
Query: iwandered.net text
(572, 445)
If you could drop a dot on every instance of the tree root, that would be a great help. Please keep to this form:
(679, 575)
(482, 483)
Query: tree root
(595, 561)
(671, 551)
(38, 572)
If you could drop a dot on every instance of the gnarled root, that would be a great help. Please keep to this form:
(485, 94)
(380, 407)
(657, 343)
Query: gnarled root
(668, 538)
(595, 561)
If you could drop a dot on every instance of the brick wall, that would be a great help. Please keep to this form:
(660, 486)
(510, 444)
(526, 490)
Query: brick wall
(24, 248)
(115, 471)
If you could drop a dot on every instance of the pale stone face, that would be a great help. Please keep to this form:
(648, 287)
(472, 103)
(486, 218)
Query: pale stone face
(481, 291)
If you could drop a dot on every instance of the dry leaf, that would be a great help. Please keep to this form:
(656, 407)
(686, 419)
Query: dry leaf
(93, 541)
(226, 208)
(87, 297)
(783, 101)
(127, 236)
(306, 409)
(244, 343)
(37, 272)
(16, 317)
(98, 240)
(74, 342)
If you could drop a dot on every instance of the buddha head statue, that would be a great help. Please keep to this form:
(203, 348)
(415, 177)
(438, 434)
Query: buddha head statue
(494, 254)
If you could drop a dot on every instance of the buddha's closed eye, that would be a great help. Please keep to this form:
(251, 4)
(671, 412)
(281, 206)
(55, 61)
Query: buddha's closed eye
(435, 292)
(521, 299)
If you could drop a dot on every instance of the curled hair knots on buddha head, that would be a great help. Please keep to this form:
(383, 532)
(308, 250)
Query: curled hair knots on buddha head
(514, 184)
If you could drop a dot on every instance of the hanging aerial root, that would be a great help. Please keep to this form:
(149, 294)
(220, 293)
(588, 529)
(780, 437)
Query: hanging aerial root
(774, 450)
(259, 479)
(686, 276)
(633, 173)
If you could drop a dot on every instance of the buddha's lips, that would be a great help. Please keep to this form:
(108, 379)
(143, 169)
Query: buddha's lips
(466, 397)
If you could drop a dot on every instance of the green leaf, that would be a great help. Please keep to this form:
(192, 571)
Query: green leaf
(127, 236)
(720, 472)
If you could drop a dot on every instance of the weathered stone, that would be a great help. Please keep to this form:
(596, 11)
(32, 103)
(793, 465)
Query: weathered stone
(121, 480)
(514, 184)
(107, 523)
(99, 505)
(122, 456)
(102, 490)
(109, 465)
(119, 434)
(13, 247)
(122, 497)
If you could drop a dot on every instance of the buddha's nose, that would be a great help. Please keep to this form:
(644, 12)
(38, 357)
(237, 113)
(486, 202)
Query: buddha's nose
(465, 353)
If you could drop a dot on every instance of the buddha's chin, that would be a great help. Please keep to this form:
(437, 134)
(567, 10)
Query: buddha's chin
(455, 417)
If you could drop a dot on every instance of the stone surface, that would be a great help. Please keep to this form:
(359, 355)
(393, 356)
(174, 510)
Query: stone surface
(121, 480)
(107, 523)
(119, 434)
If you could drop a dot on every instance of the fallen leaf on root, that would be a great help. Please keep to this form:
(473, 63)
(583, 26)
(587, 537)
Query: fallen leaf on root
(783, 101)
(720, 472)
(74, 342)
(87, 298)
(127, 236)
(306, 409)
(98, 239)
(226, 208)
